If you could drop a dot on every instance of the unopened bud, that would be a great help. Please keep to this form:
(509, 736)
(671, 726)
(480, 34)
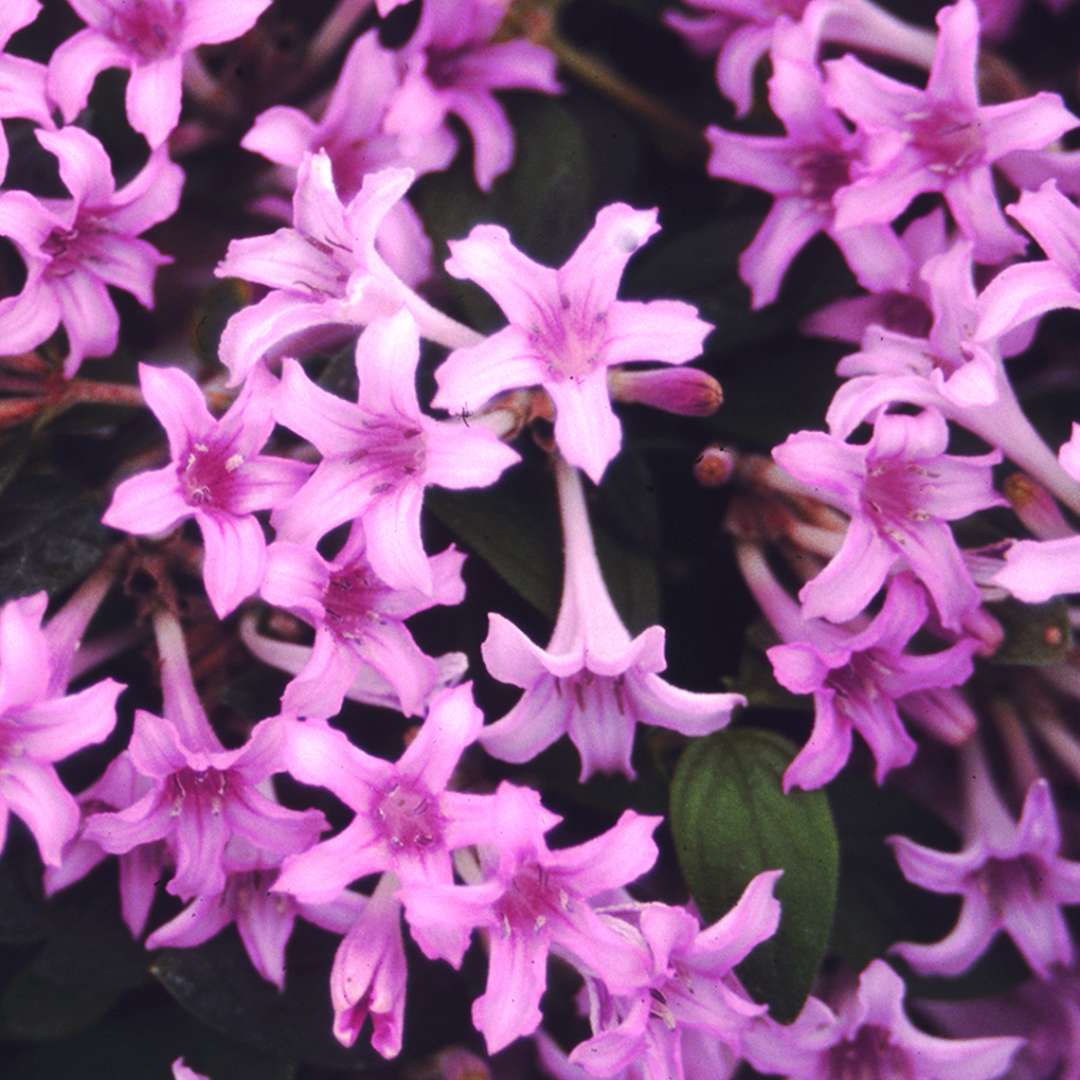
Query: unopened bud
(458, 1064)
(681, 390)
(714, 466)
(1036, 508)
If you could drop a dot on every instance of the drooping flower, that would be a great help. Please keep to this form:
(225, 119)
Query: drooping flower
(40, 725)
(22, 81)
(900, 489)
(592, 682)
(940, 138)
(804, 170)
(73, 248)
(691, 987)
(325, 275)
(217, 476)
(452, 67)
(149, 38)
(359, 622)
(859, 678)
(566, 329)
(868, 1034)
(351, 131)
(533, 901)
(407, 821)
(264, 920)
(1011, 875)
(181, 1071)
(380, 453)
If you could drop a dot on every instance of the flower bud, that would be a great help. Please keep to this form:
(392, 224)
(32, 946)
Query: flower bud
(1035, 507)
(681, 390)
(714, 466)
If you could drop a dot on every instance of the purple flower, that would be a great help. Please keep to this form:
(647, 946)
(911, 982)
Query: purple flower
(181, 1071)
(692, 987)
(359, 622)
(379, 454)
(566, 329)
(202, 797)
(1011, 876)
(940, 138)
(74, 248)
(149, 38)
(369, 975)
(593, 682)
(264, 920)
(325, 275)
(406, 820)
(452, 66)
(217, 476)
(533, 900)
(901, 489)
(870, 1035)
(350, 130)
(804, 170)
(859, 679)
(40, 726)
(22, 81)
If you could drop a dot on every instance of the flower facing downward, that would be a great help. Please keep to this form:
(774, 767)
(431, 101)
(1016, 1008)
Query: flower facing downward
(217, 476)
(566, 329)
(593, 682)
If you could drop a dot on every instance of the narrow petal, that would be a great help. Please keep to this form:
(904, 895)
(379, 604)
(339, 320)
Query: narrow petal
(148, 503)
(1036, 571)
(470, 377)
(74, 66)
(143, 822)
(265, 925)
(33, 791)
(202, 919)
(318, 875)
(615, 858)
(587, 430)
(335, 493)
(321, 684)
(851, 580)
(960, 948)
(786, 230)
(331, 424)
(177, 400)
(692, 714)
(460, 457)
(320, 755)
(826, 751)
(387, 354)
(53, 730)
(209, 22)
(85, 168)
(24, 652)
(753, 919)
(153, 98)
(517, 977)
(1022, 293)
(395, 545)
(531, 726)
(492, 134)
(89, 317)
(201, 836)
(235, 559)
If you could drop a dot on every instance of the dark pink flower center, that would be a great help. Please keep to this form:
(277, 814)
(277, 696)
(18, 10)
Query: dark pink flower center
(199, 790)
(148, 28)
(207, 473)
(895, 491)
(822, 171)
(1013, 883)
(949, 137)
(870, 1055)
(591, 692)
(530, 901)
(409, 817)
(348, 600)
(569, 340)
(392, 450)
(68, 249)
(905, 314)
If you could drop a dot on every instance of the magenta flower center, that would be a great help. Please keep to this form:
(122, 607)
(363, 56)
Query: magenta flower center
(593, 693)
(870, 1055)
(822, 171)
(569, 340)
(68, 248)
(895, 491)
(949, 138)
(905, 314)
(392, 450)
(207, 473)
(198, 790)
(530, 901)
(409, 816)
(148, 28)
(348, 601)
(1013, 883)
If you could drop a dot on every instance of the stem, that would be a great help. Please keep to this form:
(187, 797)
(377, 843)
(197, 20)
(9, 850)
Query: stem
(985, 813)
(17, 410)
(89, 391)
(335, 28)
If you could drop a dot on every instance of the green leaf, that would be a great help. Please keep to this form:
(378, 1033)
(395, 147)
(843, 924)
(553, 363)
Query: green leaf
(731, 820)
(1035, 634)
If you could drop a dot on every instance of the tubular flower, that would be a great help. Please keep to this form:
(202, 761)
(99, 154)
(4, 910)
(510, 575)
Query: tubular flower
(22, 81)
(593, 682)
(149, 38)
(566, 329)
(74, 248)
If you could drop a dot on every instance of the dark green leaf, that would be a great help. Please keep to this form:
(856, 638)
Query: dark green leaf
(22, 913)
(731, 820)
(1035, 634)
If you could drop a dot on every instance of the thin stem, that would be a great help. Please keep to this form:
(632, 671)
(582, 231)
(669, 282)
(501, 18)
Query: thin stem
(89, 391)
(335, 29)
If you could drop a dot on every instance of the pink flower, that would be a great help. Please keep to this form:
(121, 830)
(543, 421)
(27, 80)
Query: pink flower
(369, 975)
(804, 170)
(325, 275)
(1011, 876)
(452, 66)
(40, 726)
(181, 1071)
(350, 130)
(149, 38)
(870, 1035)
(22, 81)
(860, 679)
(359, 622)
(74, 248)
(592, 682)
(940, 138)
(379, 454)
(532, 901)
(692, 987)
(217, 476)
(901, 489)
(202, 796)
(406, 821)
(264, 920)
(566, 329)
